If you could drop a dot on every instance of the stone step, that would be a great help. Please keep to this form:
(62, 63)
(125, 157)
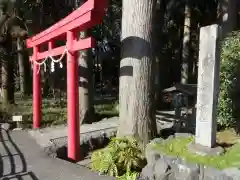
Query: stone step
(59, 133)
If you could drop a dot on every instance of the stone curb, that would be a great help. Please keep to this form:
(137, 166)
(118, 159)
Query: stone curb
(87, 138)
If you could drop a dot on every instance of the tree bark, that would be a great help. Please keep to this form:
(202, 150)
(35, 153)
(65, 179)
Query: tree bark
(86, 104)
(136, 89)
(186, 45)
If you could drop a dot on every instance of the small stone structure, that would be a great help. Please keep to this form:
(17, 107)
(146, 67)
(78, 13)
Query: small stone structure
(163, 167)
(183, 94)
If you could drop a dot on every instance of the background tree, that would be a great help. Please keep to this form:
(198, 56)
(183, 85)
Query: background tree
(186, 44)
(227, 15)
(11, 27)
(86, 97)
(23, 80)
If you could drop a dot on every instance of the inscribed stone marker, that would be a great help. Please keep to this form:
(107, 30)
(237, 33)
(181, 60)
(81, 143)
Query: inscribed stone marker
(208, 86)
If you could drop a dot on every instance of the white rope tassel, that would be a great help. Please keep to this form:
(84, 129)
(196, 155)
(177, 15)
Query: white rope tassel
(53, 61)
(61, 65)
(52, 67)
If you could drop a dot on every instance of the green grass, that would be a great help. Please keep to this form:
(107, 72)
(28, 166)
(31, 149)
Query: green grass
(177, 147)
(53, 112)
(106, 109)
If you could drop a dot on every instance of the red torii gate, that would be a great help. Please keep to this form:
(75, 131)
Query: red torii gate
(86, 16)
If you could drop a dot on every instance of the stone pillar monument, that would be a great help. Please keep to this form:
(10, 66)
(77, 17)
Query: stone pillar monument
(208, 86)
(207, 91)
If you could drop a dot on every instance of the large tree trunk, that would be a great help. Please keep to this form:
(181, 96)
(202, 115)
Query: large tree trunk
(86, 104)
(186, 45)
(136, 89)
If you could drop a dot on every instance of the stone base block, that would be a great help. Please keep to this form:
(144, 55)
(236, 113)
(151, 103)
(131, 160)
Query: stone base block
(204, 151)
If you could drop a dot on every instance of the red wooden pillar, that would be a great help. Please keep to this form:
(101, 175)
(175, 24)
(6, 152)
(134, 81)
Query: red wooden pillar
(72, 101)
(50, 45)
(37, 95)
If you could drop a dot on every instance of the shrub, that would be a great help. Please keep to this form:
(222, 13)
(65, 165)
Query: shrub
(230, 56)
(121, 158)
(128, 176)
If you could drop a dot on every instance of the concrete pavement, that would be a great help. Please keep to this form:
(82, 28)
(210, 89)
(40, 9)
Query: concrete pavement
(21, 158)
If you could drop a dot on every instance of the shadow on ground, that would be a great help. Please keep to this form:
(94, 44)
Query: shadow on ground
(12, 163)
